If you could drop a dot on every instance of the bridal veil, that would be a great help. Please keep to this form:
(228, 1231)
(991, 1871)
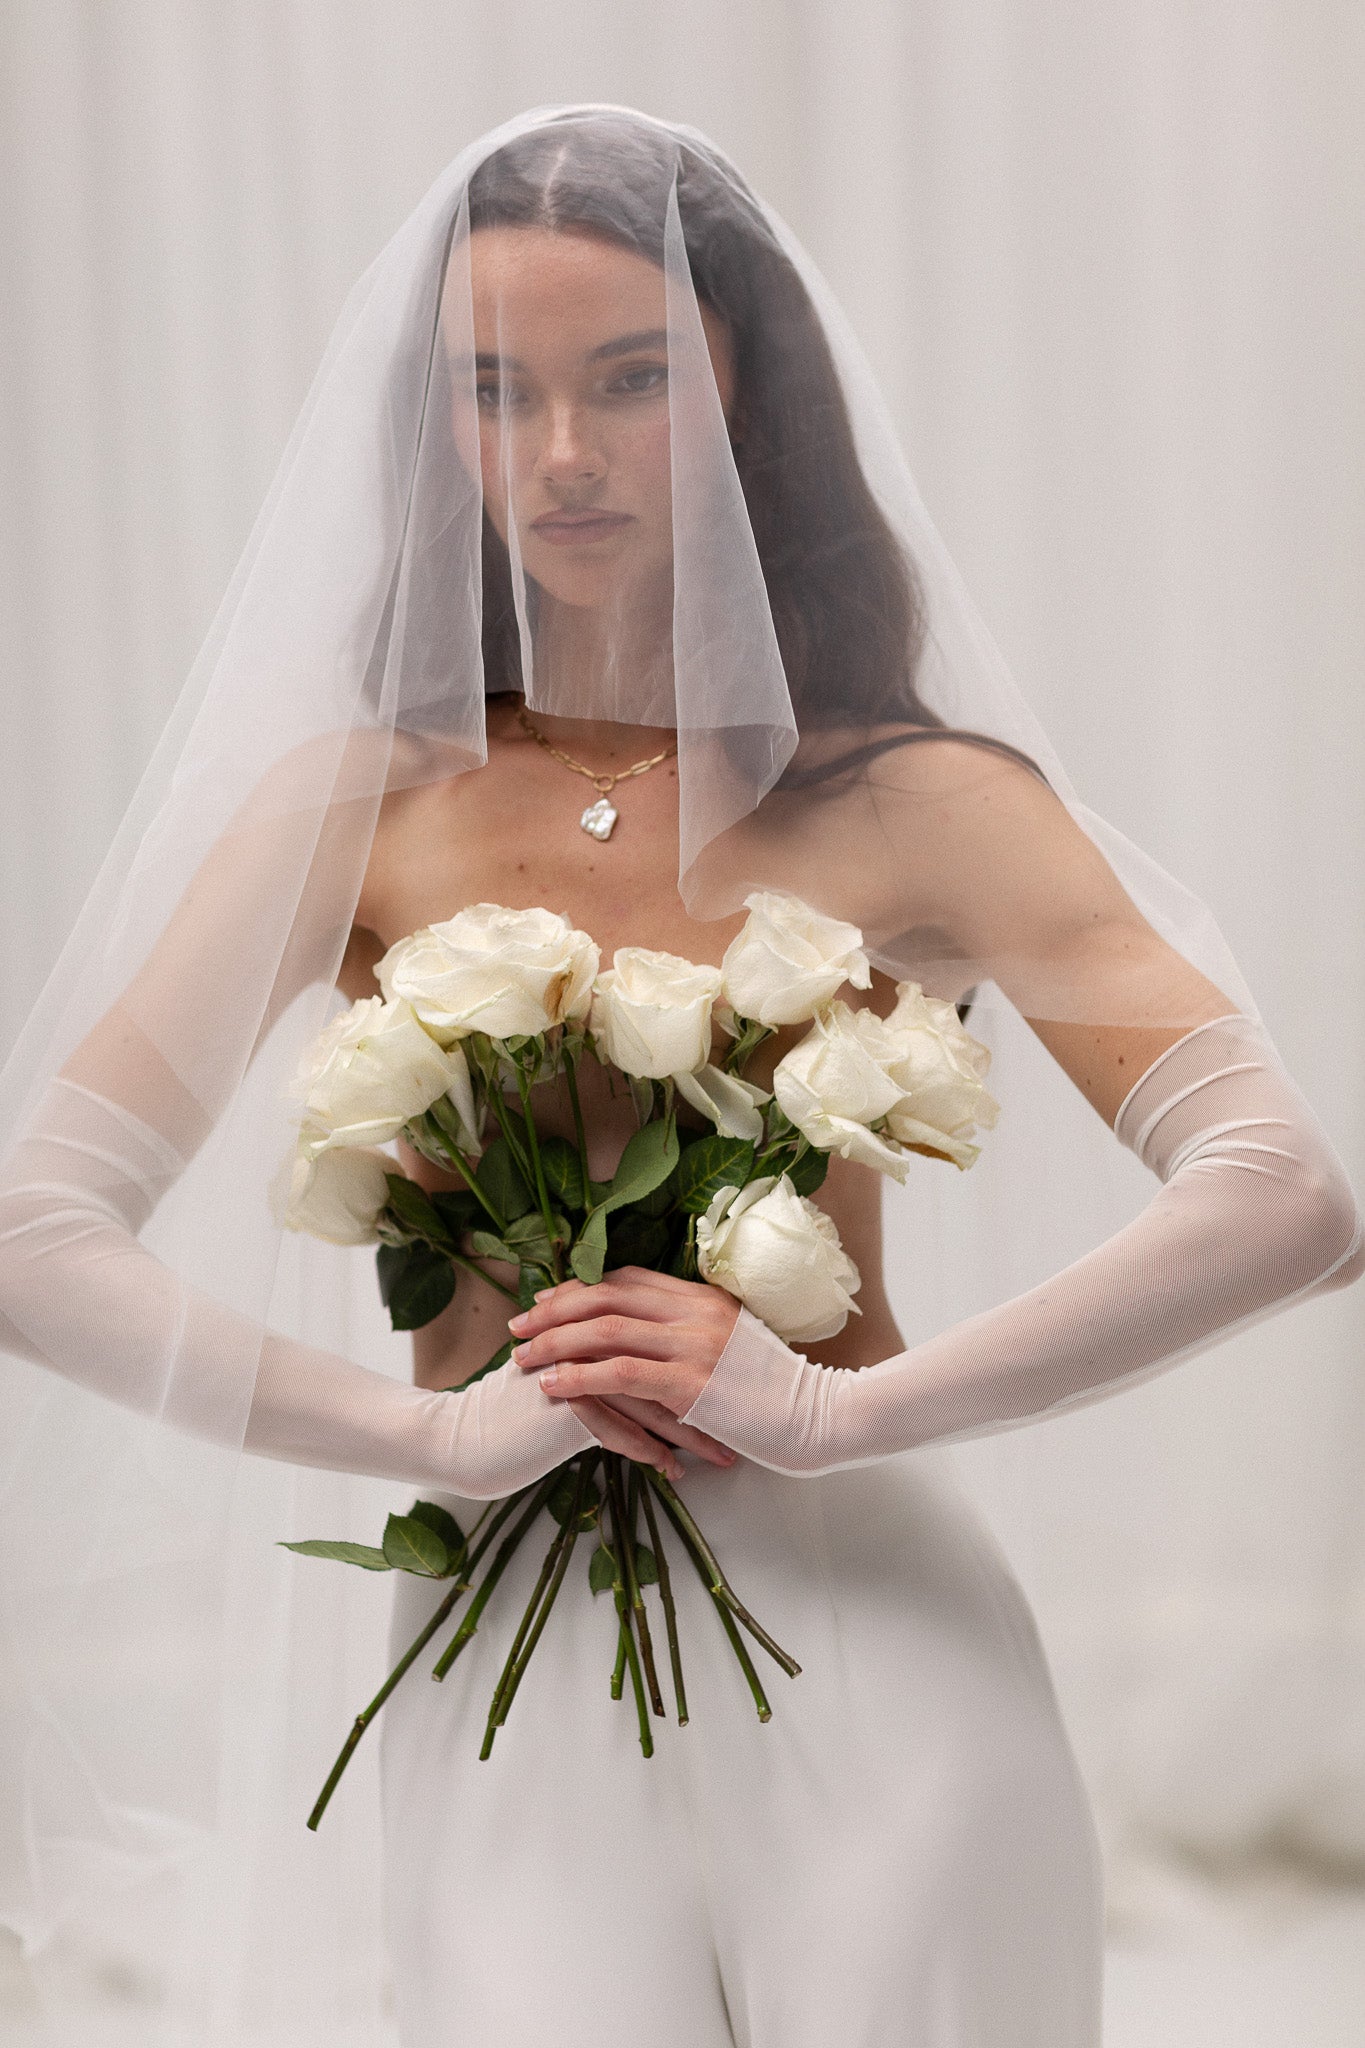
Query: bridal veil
(784, 607)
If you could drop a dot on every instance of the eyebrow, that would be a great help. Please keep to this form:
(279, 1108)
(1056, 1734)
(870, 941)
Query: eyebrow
(622, 345)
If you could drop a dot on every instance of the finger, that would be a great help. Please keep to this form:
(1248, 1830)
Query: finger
(661, 1422)
(619, 1294)
(603, 1334)
(642, 1377)
(616, 1432)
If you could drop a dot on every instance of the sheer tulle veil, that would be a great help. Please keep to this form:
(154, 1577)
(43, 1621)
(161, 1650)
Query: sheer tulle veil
(173, 1686)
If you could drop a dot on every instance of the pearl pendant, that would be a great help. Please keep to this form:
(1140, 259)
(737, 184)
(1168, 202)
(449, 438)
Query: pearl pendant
(599, 819)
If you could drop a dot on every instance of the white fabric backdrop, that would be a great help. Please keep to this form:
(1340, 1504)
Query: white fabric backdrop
(1104, 255)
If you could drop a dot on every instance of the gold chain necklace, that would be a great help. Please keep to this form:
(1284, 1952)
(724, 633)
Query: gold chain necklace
(599, 818)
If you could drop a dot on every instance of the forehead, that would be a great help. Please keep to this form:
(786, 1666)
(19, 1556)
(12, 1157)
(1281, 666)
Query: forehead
(560, 292)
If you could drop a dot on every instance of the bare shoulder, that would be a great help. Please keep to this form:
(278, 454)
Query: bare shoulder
(981, 837)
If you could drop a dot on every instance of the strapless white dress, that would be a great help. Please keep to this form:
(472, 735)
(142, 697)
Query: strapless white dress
(904, 1854)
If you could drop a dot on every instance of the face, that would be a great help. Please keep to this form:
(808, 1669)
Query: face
(566, 407)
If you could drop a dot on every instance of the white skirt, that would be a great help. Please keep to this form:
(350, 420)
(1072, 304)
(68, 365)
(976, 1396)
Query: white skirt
(904, 1854)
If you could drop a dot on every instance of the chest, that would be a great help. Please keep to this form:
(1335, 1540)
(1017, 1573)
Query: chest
(509, 833)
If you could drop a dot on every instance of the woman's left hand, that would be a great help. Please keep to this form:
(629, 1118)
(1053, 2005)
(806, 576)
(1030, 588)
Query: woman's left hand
(637, 1335)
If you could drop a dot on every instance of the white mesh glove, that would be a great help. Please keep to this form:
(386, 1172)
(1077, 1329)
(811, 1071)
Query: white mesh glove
(1254, 1212)
(80, 1294)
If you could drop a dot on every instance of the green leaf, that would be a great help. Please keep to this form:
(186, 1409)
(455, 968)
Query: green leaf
(779, 1124)
(410, 1546)
(501, 1180)
(486, 1246)
(563, 1172)
(601, 1570)
(528, 1232)
(708, 1166)
(646, 1565)
(458, 1209)
(560, 1502)
(364, 1554)
(589, 1255)
(809, 1171)
(649, 1157)
(415, 1283)
(412, 1206)
(441, 1520)
(530, 1280)
(661, 1199)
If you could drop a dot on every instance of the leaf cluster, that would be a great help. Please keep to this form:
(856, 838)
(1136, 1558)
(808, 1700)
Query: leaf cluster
(529, 1203)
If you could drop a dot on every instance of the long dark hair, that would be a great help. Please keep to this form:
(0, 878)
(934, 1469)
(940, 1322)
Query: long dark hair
(845, 598)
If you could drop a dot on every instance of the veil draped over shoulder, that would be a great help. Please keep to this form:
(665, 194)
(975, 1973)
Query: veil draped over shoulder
(781, 605)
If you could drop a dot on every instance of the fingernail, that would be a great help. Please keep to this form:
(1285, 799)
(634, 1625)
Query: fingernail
(518, 1323)
(550, 1376)
(544, 1293)
(727, 1457)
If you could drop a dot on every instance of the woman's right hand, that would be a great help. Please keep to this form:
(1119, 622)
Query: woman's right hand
(646, 1431)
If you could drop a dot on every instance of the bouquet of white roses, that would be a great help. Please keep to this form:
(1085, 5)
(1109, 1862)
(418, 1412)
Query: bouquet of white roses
(479, 1013)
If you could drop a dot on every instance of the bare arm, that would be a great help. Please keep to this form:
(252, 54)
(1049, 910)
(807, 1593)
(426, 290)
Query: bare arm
(1254, 1209)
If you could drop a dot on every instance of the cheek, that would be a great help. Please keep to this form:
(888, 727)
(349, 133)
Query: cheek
(641, 480)
(478, 444)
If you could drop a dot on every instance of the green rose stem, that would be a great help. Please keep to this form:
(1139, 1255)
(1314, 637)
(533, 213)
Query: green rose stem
(746, 1662)
(670, 1611)
(561, 1550)
(451, 1152)
(766, 1161)
(414, 1650)
(618, 1669)
(523, 1627)
(618, 1589)
(656, 1698)
(542, 1191)
(493, 1574)
(529, 1615)
(719, 1584)
(621, 1520)
(580, 1134)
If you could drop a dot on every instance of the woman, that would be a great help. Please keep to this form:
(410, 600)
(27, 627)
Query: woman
(592, 489)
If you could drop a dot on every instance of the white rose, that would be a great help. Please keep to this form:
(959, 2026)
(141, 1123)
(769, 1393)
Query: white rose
(781, 1256)
(941, 1070)
(336, 1196)
(372, 1069)
(510, 973)
(788, 960)
(834, 1088)
(733, 1104)
(651, 1013)
(875, 1089)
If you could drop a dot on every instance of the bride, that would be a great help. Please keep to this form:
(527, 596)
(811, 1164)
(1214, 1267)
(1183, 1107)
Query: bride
(593, 579)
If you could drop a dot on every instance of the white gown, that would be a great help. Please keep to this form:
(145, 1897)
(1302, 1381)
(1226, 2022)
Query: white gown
(904, 1854)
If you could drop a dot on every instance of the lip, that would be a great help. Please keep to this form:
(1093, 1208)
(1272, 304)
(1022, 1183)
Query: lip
(578, 529)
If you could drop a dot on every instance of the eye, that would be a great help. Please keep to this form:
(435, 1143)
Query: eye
(495, 397)
(644, 380)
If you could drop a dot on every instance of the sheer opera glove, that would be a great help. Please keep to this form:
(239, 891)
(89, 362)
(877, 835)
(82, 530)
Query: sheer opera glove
(79, 1293)
(1254, 1212)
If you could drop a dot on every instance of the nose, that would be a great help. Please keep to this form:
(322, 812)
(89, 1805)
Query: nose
(568, 453)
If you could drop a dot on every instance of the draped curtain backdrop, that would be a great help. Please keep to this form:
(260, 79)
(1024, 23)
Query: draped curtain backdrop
(1105, 257)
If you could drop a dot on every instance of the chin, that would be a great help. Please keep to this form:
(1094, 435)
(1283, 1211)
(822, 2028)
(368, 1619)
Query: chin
(586, 578)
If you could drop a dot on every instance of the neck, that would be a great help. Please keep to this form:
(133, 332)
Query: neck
(600, 678)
